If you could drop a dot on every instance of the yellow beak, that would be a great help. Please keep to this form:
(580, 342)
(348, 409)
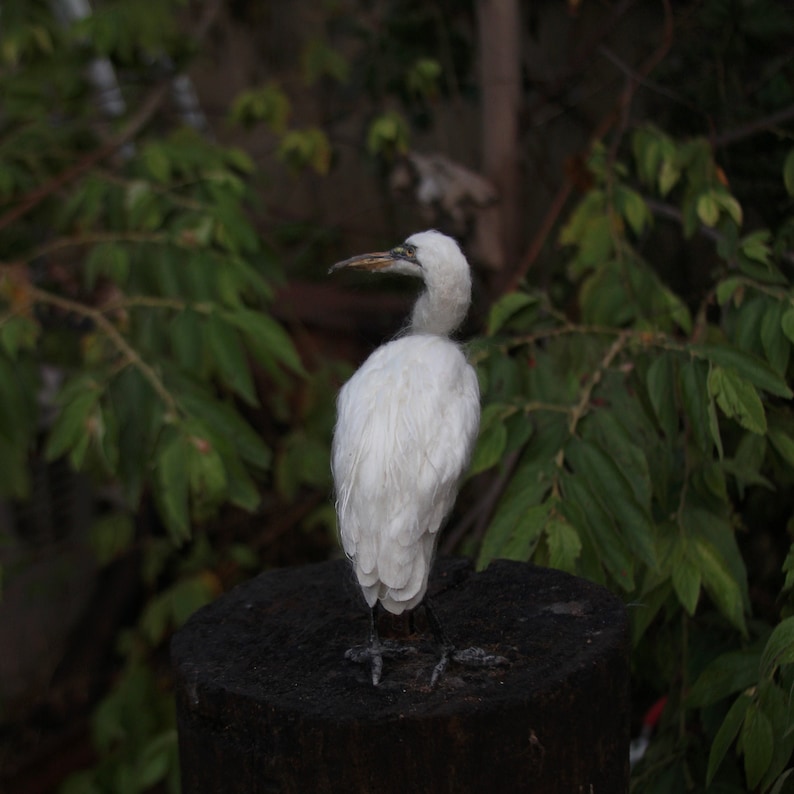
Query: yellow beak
(375, 261)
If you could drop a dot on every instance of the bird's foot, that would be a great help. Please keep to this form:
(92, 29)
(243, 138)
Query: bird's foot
(373, 655)
(468, 657)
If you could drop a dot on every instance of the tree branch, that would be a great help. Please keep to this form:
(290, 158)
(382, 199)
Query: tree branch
(662, 210)
(130, 354)
(753, 127)
(145, 112)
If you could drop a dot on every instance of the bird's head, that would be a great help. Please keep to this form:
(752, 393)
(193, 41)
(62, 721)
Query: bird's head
(424, 255)
(439, 262)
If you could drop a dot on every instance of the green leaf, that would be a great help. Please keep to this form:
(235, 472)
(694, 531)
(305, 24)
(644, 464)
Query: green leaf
(781, 786)
(18, 333)
(521, 545)
(304, 461)
(587, 514)
(591, 208)
(309, 147)
(661, 382)
(512, 518)
(634, 209)
(241, 489)
(605, 479)
(757, 741)
(153, 761)
(776, 705)
(686, 580)
(727, 288)
(268, 104)
(106, 259)
(776, 345)
(564, 544)
(388, 134)
(71, 426)
(787, 323)
(157, 162)
(783, 443)
(729, 673)
(111, 535)
(155, 618)
(244, 556)
(19, 383)
(519, 430)
(669, 174)
(708, 209)
(788, 173)
(492, 439)
(206, 474)
(506, 308)
(187, 339)
(693, 376)
(321, 60)
(189, 595)
(266, 338)
(647, 151)
(618, 441)
(756, 246)
(224, 421)
(719, 582)
(728, 731)
(737, 398)
(172, 483)
(730, 205)
(230, 360)
(779, 648)
(596, 246)
(758, 372)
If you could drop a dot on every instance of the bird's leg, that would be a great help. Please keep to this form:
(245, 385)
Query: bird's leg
(469, 657)
(374, 652)
(447, 648)
(371, 653)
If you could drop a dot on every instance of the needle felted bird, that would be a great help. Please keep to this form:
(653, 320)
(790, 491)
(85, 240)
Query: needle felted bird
(406, 424)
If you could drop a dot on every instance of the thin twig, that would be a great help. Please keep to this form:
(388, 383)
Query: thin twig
(581, 408)
(91, 238)
(130, 354)
(663, 210)
(540, 237)
(753, 127)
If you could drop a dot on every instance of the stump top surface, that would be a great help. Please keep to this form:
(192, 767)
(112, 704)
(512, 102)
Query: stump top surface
(278, 641)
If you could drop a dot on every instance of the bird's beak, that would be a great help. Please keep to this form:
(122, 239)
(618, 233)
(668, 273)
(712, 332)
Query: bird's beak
(376, 261)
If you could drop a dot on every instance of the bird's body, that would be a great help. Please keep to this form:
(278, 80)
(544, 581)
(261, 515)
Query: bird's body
(407, 422)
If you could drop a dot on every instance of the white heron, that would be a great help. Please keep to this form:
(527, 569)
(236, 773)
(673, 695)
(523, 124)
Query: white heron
(406, 424)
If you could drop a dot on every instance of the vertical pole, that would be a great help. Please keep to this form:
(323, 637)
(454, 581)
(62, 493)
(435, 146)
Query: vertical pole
(499, 24)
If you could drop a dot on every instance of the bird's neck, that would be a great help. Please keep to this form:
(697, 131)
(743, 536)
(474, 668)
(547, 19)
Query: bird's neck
(442, 307)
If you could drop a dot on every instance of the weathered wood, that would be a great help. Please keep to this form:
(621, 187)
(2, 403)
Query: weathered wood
(266, 701)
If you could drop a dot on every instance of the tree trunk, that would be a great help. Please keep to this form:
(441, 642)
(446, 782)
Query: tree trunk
(266, 701)
(499, 30)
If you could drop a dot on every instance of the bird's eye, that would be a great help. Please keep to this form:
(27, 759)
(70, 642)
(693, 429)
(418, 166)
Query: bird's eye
(404, 251)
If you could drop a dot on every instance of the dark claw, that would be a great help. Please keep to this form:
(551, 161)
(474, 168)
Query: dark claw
(373, 655)
(477, 657)
(468, 657)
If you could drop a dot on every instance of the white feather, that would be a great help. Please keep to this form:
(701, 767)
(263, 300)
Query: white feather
(407, 422)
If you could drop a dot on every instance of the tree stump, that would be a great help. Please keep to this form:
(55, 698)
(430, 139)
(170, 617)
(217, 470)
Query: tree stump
(267, 702)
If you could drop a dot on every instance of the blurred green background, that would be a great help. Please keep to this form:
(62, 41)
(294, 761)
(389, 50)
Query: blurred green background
(176, 178)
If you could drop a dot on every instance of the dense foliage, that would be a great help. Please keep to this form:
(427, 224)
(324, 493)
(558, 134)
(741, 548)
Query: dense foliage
(637, 425)
(133, 280)
(634, 438)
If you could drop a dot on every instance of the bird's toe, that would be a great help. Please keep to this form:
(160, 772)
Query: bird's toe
(477, 657)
